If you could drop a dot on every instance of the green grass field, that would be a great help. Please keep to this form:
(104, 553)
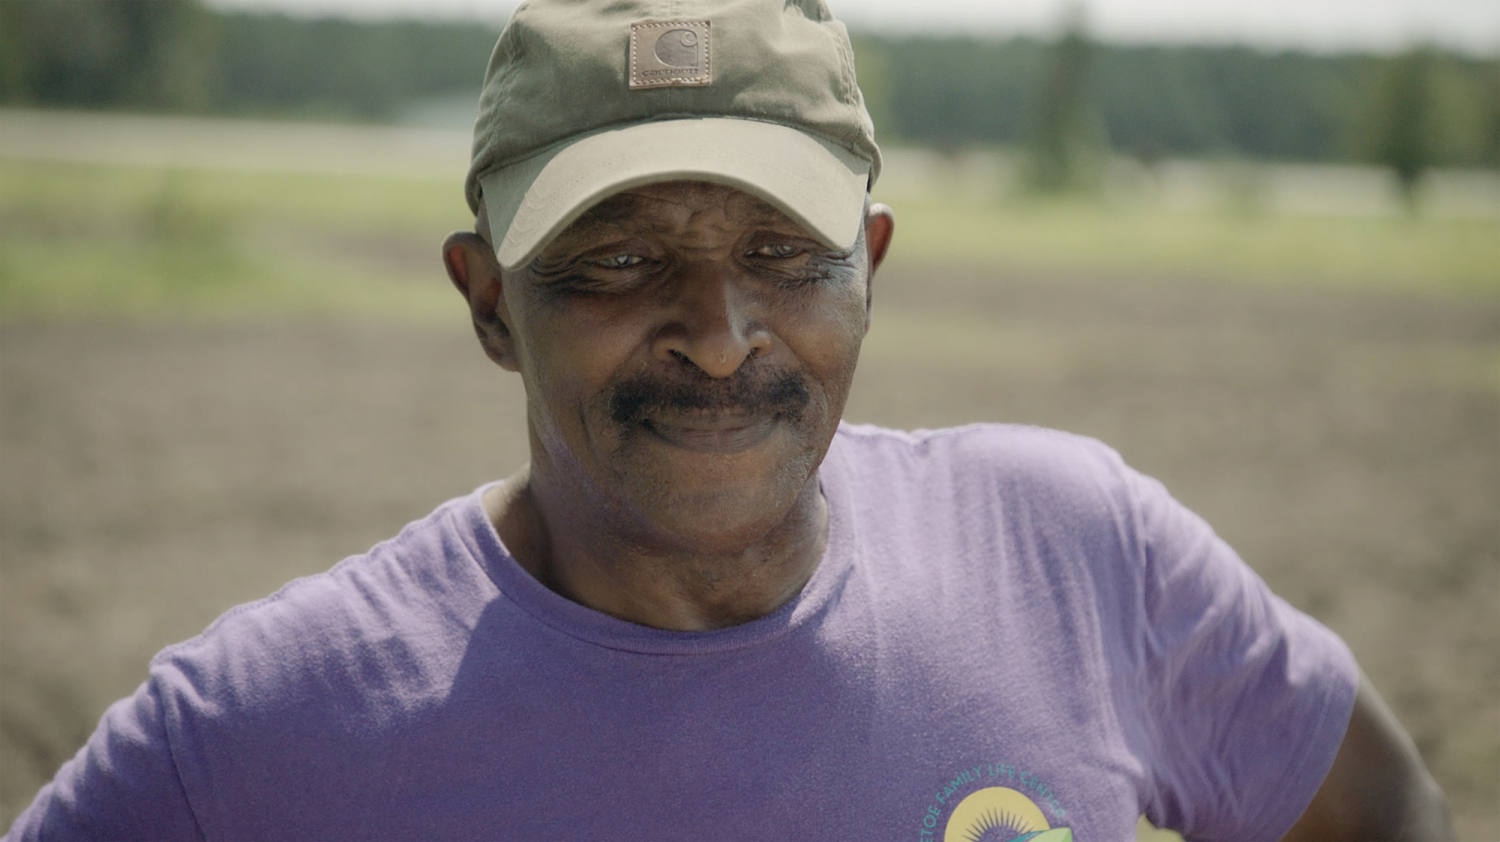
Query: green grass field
(98, 239)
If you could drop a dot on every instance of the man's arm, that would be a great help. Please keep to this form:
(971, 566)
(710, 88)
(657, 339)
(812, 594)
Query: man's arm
(123, 784)
(1378, 787)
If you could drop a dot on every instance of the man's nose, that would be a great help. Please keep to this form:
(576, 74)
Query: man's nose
(714, 325)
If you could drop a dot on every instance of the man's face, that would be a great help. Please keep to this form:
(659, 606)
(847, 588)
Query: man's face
(687, 351)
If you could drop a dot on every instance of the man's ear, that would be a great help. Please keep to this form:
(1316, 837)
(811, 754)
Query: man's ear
(880, 226)
(476, 275)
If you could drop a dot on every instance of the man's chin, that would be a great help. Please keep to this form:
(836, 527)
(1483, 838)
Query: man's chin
(720, 489)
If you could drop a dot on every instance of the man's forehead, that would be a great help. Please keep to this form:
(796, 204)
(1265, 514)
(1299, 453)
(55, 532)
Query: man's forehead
(664, 200)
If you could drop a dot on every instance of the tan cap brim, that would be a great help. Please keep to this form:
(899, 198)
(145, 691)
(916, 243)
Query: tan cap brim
(819, 185)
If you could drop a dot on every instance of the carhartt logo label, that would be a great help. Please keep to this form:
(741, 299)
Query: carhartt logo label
(670, 53)
(678, 48)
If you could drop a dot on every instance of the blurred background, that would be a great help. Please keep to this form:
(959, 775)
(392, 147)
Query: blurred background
(1255, 247)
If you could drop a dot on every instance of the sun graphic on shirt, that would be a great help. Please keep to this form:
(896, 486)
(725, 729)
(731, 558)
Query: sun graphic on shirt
(1000, 814)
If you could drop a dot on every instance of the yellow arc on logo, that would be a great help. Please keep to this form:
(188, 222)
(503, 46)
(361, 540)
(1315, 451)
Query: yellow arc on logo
(993, 807)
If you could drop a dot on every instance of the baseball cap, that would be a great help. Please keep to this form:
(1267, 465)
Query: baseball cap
(585, 98)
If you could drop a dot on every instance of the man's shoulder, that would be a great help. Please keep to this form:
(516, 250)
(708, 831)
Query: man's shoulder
(959, 479)
(1012, 452)
(368, 608)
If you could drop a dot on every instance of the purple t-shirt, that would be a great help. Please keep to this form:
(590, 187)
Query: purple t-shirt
(1011, 633)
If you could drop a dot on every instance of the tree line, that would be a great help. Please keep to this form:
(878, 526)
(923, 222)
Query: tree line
(1154, 101)
(1430, 105)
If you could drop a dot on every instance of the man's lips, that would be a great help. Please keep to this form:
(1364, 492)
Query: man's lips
(711, 432)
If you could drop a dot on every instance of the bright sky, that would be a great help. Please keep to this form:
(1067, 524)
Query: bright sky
(1471, 25)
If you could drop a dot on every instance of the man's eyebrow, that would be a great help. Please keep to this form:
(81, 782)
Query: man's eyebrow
(603, 217)
(594, 222)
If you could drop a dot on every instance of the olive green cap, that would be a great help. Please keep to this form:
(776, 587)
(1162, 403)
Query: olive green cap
(585, 98)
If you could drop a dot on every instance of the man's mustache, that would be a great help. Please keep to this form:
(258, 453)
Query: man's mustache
(776, 392)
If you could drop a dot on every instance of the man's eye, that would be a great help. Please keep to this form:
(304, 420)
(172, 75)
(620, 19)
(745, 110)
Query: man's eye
(619, 261)
(780, 251)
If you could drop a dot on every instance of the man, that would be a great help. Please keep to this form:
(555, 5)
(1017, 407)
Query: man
(706, 610)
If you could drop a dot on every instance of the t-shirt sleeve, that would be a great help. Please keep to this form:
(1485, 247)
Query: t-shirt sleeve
(122, 785)
(1246, 698)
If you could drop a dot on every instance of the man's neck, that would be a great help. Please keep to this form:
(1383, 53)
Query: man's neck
(659, 585)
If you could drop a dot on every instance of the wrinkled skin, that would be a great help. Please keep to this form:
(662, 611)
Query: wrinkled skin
(687, 351)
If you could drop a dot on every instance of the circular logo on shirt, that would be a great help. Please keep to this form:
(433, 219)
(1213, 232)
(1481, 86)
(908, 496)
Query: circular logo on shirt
(994, 802)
